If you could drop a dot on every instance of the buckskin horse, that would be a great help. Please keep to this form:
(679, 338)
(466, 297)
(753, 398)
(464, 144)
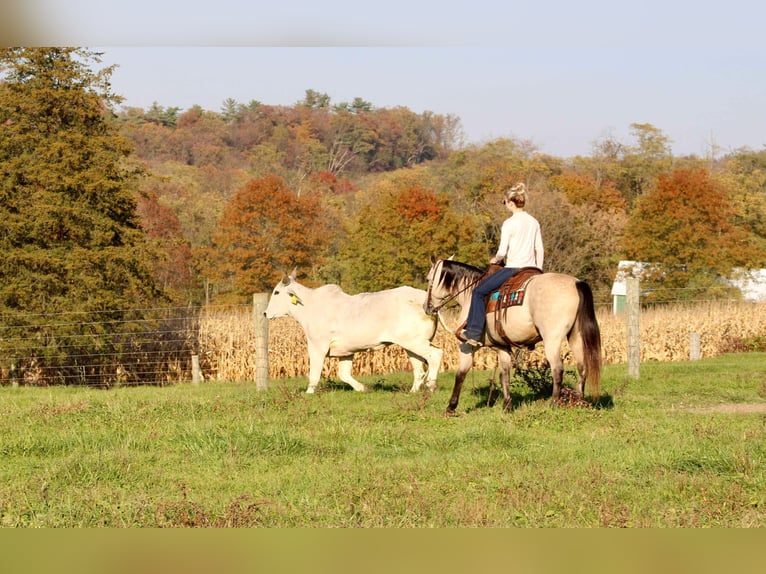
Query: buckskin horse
(547, 307)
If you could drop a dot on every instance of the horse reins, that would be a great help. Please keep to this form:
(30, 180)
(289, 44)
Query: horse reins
(435, 309)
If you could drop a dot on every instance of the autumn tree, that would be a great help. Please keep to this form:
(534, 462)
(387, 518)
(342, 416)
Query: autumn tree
(745, 176)
(172, 261)
(582, 221)
(266, 230)
(684, 226)
(397, 229)
(632, 167)
(584, 189)
(69, 235)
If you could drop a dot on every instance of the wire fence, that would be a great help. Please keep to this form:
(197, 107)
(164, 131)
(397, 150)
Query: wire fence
(160, 346)
(105, 348)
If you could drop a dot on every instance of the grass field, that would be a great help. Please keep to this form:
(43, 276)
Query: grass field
(682, 446)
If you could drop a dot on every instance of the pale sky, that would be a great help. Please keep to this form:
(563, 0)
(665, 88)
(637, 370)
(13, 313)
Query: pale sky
(561, 73)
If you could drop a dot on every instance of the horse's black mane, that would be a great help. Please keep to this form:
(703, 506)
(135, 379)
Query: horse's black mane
(456, 273)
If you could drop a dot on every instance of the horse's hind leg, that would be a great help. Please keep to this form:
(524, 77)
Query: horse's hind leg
(553, 354)
(504, 362)
(576, 346)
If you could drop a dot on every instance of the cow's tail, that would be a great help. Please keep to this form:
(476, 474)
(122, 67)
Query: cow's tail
(591, 338)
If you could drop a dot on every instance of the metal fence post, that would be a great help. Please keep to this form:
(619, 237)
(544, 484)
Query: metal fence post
(261, 326)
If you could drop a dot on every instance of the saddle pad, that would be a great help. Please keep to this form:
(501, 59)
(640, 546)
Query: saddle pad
(512, 291)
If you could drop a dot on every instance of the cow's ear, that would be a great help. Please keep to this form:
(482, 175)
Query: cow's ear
(433, 259)
(294, 273)
(286, 280)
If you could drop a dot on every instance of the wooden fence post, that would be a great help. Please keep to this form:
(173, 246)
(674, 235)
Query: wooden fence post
(261, 326)
(694, 347)
(195, 370)
(633, 309)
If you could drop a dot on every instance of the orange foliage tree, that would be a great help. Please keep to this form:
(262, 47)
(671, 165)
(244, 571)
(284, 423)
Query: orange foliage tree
(684, 225)
(267, 229)
(583, 189)
(391, 239)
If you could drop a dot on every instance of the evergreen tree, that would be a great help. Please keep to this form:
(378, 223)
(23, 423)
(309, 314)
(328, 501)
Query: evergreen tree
(73, 252)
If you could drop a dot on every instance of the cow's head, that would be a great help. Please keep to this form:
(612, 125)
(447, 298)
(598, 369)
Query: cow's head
(284, 299)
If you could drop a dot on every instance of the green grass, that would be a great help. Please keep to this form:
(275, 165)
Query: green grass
(682, 446)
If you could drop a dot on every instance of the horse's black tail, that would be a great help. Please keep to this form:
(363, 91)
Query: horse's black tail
(591, 338)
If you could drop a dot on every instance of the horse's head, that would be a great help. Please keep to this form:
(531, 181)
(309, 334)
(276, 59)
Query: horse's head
(429, 306)
(448, 280)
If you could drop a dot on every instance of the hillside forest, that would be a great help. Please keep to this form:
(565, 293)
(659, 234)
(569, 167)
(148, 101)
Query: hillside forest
(110, 207)
(362, 196)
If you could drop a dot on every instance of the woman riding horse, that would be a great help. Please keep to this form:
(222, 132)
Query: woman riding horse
(521, 245)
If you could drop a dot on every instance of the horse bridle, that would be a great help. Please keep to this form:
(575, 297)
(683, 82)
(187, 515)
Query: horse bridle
(433, 310)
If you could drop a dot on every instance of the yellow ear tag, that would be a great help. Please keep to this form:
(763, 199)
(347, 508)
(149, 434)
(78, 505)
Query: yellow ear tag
(293, 298)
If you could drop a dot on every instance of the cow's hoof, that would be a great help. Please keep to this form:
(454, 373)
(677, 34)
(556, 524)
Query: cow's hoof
(310, 391)
(431, 385)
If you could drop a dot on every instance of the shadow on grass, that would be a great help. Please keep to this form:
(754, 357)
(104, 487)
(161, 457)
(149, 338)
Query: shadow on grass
(535, 384)
(380, 385)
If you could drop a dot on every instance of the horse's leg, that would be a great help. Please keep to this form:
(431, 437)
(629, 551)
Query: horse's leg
(418, 371)
(576, 346)
(344, 373)
(504, 362)
(464, 364)
(553, 354)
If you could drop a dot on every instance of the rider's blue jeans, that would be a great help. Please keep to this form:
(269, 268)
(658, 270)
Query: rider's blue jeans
(477, 313)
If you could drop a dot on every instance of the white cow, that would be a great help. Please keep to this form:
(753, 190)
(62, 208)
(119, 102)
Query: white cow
(338, 325)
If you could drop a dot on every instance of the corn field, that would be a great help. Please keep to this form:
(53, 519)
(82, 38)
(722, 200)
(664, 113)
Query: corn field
(227, 344)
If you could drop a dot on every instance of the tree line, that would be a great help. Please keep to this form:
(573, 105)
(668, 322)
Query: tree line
(250, 208)
(110, 209)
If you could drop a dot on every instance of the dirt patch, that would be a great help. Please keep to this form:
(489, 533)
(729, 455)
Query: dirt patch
(738, 408)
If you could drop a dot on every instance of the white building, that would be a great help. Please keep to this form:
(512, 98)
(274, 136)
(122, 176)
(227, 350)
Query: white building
(751, 283)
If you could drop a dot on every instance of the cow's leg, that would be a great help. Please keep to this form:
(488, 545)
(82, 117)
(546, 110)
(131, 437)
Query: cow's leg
(464, 364)
(430, 355)
(418, 371)
(504, 362)
(344, 373)
(316, 361)
(434, 364)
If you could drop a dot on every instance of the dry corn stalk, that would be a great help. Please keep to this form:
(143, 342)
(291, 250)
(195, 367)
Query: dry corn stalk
(227, 343)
